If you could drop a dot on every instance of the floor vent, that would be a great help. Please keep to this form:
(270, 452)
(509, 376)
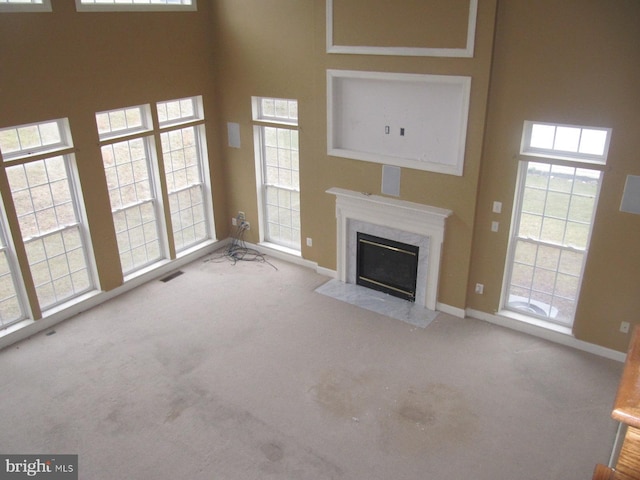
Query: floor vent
(171, 276)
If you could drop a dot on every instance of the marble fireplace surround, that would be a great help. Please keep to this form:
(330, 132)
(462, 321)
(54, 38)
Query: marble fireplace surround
(394, 219)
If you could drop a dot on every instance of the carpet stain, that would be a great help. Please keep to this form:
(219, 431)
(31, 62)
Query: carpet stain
(273, 451)
(341, 392)
(427, 419)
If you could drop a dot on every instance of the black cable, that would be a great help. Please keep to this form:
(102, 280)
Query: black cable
(238, 251)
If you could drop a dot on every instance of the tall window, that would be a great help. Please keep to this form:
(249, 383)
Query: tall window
(40, 168)
(11, 309)
(277, 170)
(182, 128)
(128, 166)
(555, 205)
(128, 140)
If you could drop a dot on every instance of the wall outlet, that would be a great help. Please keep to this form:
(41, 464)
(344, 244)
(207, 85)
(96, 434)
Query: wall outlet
(624, 327)
(497, 207)
(479, 288)
(309, 242)
(234, 221)
(495, 226)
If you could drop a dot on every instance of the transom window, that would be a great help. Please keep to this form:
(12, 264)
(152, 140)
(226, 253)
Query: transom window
(135, 5)
(555, 206)
(275, 110)
(25, 5)
(26, 140)
(584, 144)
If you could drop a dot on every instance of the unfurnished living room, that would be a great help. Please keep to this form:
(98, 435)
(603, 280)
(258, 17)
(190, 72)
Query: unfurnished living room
(309, 239)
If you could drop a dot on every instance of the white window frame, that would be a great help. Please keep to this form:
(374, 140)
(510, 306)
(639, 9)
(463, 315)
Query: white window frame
(145, 133)
(150, 131)
(260, 121)
(65, 144)
(7, 246)
(65, 150)
(135, 7)
(596, 159)
(27, 6)
(197, 122)
(553, 157)
(260, 116)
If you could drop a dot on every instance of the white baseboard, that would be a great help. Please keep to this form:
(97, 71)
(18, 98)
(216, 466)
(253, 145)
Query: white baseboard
(448, 309)
(326, 272)
(29, 327)
(547, 334)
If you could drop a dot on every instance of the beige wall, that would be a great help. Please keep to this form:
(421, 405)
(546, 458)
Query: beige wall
(69, 64)
(574, 61)
(568, 62)
(277, 49)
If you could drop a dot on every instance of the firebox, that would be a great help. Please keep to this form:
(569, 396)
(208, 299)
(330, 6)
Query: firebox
(387, 266)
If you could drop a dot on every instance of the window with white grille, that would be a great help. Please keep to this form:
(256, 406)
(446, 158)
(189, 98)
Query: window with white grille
(182, 130)
(25, 5)
(135, 5)
(11, 302)
(128, 166)
(40, 168)
(131, 165)
(277, 170)
(555, 203)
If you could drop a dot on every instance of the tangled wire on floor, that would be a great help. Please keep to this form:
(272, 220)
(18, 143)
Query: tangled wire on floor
(238, 251)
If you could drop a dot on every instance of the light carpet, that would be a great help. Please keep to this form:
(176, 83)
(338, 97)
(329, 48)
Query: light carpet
(244, 372)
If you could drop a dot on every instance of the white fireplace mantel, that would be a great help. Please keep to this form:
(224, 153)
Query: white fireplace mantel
(390, 213)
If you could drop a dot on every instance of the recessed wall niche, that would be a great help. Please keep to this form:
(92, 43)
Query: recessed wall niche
(407, 120)
(446, 28)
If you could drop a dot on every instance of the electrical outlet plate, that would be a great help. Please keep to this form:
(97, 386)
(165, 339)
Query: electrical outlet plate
(479, 288)
(624, 327)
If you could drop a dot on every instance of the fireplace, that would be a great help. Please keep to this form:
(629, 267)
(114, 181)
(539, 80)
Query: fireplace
(397, 220)
(387, 266)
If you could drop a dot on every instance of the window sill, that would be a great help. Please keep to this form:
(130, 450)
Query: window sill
(281, 249)
(536, 322)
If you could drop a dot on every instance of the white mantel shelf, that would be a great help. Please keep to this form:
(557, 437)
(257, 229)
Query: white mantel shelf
(390, 213)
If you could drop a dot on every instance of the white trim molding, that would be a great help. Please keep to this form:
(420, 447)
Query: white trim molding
(423, 221)
(466, 52)
(135, 7)
(406, 120)
(30, 327)
(44, 6)
(562, 337)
